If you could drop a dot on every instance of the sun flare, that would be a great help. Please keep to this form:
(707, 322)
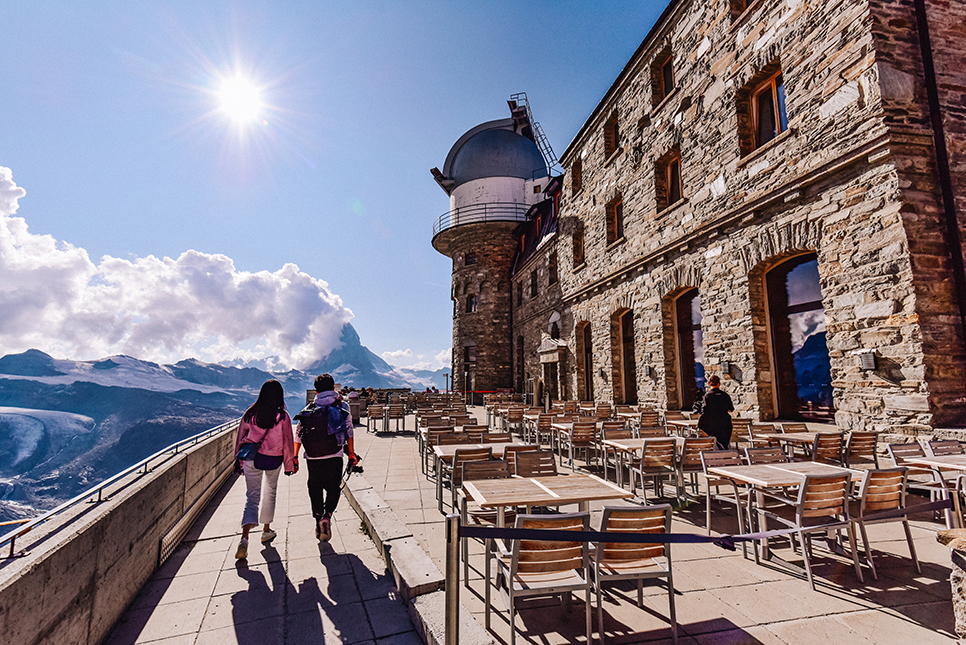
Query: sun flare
(240, 99)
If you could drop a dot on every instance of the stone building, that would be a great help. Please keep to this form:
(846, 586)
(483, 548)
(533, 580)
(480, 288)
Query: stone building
(770, 191)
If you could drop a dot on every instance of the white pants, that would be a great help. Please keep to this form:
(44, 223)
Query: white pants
(254, 479)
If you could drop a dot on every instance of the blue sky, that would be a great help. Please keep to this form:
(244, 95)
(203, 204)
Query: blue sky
(110, 121)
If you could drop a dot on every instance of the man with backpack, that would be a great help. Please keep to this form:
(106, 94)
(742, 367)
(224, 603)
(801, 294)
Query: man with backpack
(325, 431)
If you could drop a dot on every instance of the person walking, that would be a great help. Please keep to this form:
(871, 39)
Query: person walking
(325, 431)
(266, 423)
(715, 419)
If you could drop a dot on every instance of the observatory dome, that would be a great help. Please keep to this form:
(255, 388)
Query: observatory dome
(495, 153)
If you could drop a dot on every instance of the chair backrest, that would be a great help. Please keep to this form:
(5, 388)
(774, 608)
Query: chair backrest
(692, 450)
(824, 496)
(587, 405)
(652, 431)
(437, 421)
(433, 433)
(827, 448)
(571, 407)
(755, 429)
(535, 463)
(765, 455)
(902, 451)
(882, 490)
(514, 415)
(649, 417)
(612, 424)
(375, 410)
(583, 432)
(452, 438)
(793, 427)
(659, 453)
(945, 447)
(464, 455)
(739, 427)
(720, 458)
(604, 410)
(497, 437)
(539, 556)
(476, 432)
(544, 420)
(477, 470)
(509, 453)
(623, 519)
(674, 415)
(619, 431)
(860, 446)
(397, 410)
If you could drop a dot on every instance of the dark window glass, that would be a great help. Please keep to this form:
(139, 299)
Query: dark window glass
(674, 181)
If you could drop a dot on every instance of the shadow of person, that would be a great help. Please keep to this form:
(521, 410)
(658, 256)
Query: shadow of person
(258, 611)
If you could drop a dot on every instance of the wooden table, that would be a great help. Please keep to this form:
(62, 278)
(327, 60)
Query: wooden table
(947, 462)
(687, 426)
(624, 447)
(541, 491)
(764, 476)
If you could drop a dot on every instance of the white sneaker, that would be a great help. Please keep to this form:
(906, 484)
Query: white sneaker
(268, 536)
(242, 552)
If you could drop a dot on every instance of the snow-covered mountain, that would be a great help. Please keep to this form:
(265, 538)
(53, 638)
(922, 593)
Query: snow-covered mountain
(66, 425)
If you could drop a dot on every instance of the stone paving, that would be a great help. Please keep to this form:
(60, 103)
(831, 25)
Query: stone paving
(293, 590)
(720, 596)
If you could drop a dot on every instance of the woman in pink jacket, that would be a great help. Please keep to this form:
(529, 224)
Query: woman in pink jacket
(267, 422)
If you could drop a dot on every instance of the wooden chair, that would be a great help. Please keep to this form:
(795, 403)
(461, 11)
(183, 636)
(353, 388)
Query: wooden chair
(534, 463)
(792, 427)
(510, 459)
(922, 480)
(396, 411)
(582, 436)
(722, 458)
(375, 413)
(475, 431)
(860, 448)
(649, 417)
(827, 449)
(474, 471)
(690, 461)
(658, 460)
(571, 407)
(944, 447)
(604, 410)
(822, 504)
(882, 490)
(541, 568)
(431, 439)
(755, 430)
(652, 431)
(765, 455)
(543, 432)
(514, 420)
(629, 561)
(454, 472)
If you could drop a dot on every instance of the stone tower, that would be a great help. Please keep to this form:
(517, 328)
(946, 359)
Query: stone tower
(493, 175)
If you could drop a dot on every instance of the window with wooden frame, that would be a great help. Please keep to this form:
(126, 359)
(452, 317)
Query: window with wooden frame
(662, 76)
(668, 187)
(472, 303)
(614, 213)
(761, 109)
(578, 244)
(612, 136)
(576, 175)
(552, 268)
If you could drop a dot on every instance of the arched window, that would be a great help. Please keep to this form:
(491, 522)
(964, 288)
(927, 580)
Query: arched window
(802, 367)
(472, 303)
(690, 347)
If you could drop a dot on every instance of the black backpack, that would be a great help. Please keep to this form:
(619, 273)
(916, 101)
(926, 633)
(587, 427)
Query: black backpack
(314, 434)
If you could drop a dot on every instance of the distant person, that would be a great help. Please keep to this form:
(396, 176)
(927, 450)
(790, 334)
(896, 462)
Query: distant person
(268, 424)
(325, 431)
(716, 418)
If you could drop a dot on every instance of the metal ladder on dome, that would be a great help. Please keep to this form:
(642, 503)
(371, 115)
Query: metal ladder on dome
(539, 137)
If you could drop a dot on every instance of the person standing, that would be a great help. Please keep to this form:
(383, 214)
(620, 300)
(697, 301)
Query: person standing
(325, 431)
(716, 418)
(267, 423)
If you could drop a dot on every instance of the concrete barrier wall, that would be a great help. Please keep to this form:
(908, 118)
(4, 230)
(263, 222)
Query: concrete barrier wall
(86, 566)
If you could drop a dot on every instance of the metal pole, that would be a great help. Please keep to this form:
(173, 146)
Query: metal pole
(452, 629)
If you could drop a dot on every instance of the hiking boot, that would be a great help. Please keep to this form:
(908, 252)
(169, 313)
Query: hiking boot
(268, 536)
(242, 552)
(325, 527)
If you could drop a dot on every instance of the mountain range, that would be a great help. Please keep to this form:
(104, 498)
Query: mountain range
(67, 425)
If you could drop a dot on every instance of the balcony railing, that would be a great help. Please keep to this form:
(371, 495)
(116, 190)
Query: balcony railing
(96, 494)
(477, 213)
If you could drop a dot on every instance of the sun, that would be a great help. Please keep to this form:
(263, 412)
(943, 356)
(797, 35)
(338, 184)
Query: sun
(240, 99)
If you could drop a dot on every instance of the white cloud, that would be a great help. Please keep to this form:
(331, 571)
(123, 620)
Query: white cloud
(54, 298)
(405, 358)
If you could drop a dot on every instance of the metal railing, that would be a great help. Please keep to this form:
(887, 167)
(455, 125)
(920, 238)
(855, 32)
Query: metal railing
(477, 213)
(96, 494)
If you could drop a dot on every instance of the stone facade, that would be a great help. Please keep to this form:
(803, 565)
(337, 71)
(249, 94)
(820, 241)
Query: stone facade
(852, 181)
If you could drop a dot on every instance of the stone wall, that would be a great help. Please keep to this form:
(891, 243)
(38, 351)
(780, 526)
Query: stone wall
(492, 244)
(842, 182)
